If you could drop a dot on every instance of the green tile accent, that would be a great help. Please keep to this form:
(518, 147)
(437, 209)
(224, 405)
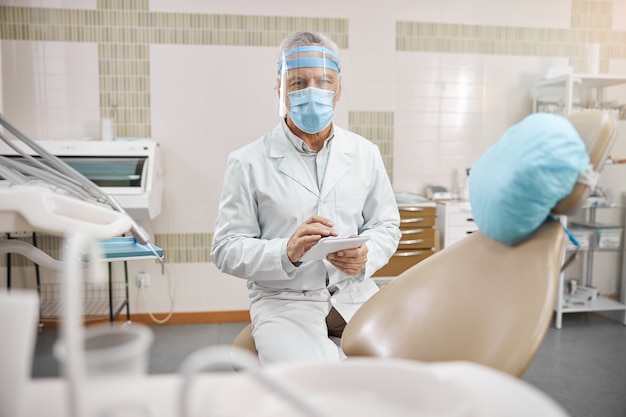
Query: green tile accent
(185, 247)
(48, 244)
(124, 29)
(595, 15)
(377, 127)
(590, 23)
(123, 4)
(177, 248)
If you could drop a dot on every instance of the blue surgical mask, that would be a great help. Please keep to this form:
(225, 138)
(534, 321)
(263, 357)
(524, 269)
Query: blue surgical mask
(311, 109)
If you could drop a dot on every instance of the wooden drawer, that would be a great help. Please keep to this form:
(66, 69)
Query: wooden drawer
(416, 217)
(401, 261)
(418, 238)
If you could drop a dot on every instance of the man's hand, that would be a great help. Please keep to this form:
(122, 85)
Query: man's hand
(349, 261)
(308, 234)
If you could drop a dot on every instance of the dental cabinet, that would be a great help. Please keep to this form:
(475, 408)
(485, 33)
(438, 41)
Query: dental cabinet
(418, 240)
(454, 221)
(129, 171)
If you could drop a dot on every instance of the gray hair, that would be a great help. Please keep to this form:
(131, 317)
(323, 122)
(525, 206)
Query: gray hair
(307, 39)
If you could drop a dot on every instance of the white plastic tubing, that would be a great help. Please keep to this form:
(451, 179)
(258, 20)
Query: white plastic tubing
(31, 252)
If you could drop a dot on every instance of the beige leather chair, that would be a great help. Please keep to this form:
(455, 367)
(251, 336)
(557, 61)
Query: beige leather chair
(477, 300)
(244, 340)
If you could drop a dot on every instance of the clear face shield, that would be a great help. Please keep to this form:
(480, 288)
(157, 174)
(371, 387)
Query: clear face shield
(309, 80)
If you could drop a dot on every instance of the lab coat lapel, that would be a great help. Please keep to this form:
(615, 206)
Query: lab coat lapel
(291, 163)
(339, 162)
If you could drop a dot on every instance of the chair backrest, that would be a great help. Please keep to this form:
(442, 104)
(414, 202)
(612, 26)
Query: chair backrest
(477, 300)
(599, 131)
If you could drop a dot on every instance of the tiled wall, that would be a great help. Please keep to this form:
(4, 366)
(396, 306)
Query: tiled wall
(377, 127)
(124, 30)
(433, 84)
(591, 24)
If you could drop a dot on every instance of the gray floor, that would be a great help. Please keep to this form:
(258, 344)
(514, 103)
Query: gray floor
(582, 366)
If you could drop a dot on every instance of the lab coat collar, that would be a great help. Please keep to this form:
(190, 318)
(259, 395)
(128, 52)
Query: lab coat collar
(339, 161)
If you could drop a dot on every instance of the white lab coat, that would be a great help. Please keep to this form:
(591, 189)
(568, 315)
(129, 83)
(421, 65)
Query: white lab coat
(268, 192)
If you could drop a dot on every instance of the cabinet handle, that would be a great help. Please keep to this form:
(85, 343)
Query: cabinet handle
(412, 220)
(410, 242)
(412, 232)
(411, 208)
(414, 253)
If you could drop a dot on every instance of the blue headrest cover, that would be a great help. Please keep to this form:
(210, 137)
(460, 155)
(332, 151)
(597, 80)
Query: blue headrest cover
(518, 180)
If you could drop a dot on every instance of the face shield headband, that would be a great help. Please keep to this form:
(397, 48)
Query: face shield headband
(327, 60)
(332, 62)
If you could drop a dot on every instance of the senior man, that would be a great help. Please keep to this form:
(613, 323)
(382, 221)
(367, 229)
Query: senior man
(303, 181)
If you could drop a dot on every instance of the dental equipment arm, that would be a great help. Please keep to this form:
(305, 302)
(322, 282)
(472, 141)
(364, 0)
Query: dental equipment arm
(36, 162)
(92, 189)
(52, 178)
(60, 215)
(12, 176)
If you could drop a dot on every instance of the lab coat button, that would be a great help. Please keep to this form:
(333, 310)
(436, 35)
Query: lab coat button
(333, 300)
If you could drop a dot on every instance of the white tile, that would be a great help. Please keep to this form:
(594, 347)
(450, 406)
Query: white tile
(462, 75)
(367, 94)
(462, 90)
(408, 63)
(420, 11)
(57, 99)
(456, 149)
(418, 89)
(617, 66)
(459, 133)
(418, 104)
(415, 164)
(461, 105)
(406, 133)
(463, 61)
(424, 119)
(454, 119)
(266, 8)
(51, 102)
(619, 15)
(376, 33)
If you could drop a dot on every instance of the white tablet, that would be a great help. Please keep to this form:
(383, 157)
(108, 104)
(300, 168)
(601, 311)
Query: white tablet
(332, 244)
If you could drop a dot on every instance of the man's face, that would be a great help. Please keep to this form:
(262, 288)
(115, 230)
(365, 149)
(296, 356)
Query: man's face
(322, 78)
(303, 69)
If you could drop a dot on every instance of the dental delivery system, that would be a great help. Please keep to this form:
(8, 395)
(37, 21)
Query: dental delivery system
(72, 192)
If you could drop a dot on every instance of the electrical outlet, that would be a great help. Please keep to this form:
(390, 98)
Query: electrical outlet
(142, 280)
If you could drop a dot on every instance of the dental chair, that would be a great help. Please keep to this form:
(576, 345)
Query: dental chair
(477, 300)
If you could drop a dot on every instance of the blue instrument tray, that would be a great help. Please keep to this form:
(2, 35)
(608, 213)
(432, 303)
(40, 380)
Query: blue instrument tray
(127, 247)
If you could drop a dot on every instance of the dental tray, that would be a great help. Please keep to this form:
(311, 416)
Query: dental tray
(127, 247)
